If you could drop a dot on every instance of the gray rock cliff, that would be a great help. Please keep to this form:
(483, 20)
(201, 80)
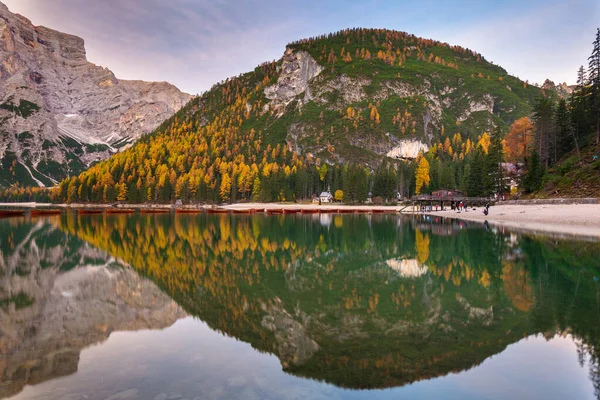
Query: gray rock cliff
(58, 112)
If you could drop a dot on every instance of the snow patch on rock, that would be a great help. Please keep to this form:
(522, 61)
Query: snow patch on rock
(408, 149)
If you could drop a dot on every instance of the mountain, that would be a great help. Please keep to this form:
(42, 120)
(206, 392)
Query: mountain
(358, 97)
(562, 90)
(60, 113)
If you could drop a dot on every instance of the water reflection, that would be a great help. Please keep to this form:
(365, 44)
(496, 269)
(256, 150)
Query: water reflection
(59, 295)
(355, 301)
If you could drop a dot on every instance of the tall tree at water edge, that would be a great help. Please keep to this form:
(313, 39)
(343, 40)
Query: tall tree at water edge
(494, 180)
(545, 136)
(594, 80)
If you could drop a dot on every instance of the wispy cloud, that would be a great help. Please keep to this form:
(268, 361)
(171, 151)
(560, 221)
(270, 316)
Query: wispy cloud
(195, 43)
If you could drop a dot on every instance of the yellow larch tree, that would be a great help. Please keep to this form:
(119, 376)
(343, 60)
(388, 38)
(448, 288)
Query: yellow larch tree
(422, 174)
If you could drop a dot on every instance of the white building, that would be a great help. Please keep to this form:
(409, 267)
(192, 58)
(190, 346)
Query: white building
(326, 197)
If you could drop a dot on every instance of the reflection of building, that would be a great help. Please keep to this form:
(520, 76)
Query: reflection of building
(325, 219)
(407, 268)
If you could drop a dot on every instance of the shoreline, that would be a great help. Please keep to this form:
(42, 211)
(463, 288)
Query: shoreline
(581, 220)
(567, 219)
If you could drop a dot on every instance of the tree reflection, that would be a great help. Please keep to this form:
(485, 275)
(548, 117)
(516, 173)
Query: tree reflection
(361, 301)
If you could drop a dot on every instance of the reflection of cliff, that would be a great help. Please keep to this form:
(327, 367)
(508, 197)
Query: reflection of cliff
(58, 296)
(362, 303)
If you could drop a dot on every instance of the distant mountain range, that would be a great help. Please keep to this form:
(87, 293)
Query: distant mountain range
(60, 113)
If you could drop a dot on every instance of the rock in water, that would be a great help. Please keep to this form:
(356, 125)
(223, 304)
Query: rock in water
(58, 112)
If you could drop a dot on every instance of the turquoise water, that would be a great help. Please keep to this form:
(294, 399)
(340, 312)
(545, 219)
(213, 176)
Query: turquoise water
(304, 306)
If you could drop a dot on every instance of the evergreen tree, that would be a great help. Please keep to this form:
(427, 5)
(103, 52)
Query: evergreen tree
(477, 171)
(579, 107)
(545, 137)
(594, 80)
(535, 172)
(565, 135)
(494, 182)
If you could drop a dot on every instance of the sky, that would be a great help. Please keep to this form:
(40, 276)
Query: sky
(197, 43)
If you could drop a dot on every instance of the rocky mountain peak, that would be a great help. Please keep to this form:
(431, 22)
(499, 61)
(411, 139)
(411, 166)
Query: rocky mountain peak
(58, 112)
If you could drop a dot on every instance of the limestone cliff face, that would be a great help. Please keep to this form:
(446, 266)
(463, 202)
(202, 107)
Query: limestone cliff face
(297, 70)
(59, 112)
(49, 315)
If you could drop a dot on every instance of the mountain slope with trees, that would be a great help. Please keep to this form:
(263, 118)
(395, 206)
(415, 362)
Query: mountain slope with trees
(283, 131)
(348, 111)
(561, 146)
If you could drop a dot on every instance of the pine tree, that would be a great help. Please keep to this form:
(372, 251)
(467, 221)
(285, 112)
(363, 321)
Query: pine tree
(594, 80)
(494, 182)
(579, 107)
(535, 172)
(565, 135)
(543, 112)
(477, 172)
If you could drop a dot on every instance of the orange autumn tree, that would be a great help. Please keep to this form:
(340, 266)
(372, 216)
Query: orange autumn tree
(518, 140)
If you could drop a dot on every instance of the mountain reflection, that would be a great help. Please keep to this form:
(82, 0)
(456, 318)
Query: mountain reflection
(356, 301)
(59, 295)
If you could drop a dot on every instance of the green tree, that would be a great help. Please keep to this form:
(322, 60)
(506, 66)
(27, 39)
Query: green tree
(535, 172)
(545, 138)
(565, 134)
(594, 80)
(477, 172)
(494, 179)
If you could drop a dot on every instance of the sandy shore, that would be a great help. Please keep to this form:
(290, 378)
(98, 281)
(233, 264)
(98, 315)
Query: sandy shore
(571, 219)
(567, 219)
(310, 206)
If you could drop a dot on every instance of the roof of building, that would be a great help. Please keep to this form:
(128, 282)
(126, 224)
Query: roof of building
(325, 194)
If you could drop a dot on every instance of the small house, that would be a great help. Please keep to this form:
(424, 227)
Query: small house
(326, 197)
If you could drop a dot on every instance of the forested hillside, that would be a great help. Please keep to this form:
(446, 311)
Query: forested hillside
(352, 111)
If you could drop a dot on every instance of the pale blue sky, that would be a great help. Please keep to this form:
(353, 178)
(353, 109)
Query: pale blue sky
(195, 43)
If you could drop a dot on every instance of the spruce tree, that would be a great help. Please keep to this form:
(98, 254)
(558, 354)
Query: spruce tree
(579, 107)
(535, 172)
(565, 135)
(494, 182)
(594, 81)
(543, 112)
(477, 171)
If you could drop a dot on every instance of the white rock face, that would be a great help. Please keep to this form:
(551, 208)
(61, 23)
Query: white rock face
(486, 103)
(297, 70)
(72, 98)
(408, 149)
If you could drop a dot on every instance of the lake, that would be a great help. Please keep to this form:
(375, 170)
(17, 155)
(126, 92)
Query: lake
(292, 307)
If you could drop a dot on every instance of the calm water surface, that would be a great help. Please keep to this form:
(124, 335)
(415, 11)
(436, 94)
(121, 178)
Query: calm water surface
(293, 307)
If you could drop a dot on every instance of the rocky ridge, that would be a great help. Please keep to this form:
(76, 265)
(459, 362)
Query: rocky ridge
(59, 113)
